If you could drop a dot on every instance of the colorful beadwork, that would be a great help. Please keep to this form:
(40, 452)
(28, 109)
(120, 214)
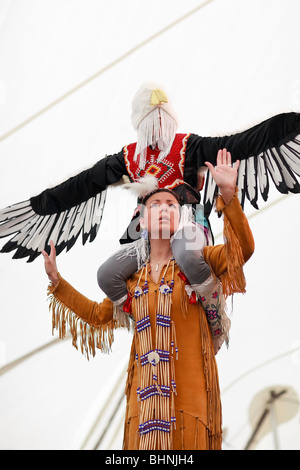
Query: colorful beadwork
(212, 311)
(157, 385)
(169, 172)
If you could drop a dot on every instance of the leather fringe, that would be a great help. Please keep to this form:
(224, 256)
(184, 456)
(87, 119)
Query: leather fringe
(214, 408)
(85, 337)
(130, 371)
(233, 280)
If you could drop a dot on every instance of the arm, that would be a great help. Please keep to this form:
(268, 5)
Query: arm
(227, 260)
(94, 322)
(216, 256)
(93, 313)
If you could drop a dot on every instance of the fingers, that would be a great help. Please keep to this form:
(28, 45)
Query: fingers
(219, 158)
(228, 157)
(237, 165)
(52, 251)
(209, 166)
(223, 158)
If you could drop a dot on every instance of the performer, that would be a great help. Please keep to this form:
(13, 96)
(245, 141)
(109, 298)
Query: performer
(270, 149)
(187, 245)
(173, 396)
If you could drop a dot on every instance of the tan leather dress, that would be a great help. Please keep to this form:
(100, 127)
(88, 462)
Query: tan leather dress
(196, 405)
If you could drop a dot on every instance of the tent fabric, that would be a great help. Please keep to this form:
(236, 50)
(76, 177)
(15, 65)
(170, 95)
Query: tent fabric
(69, 70)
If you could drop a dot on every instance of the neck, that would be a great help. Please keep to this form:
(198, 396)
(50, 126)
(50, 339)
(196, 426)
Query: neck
(160, 249)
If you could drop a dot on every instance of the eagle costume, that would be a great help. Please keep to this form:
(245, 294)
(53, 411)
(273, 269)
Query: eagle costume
(269, 150)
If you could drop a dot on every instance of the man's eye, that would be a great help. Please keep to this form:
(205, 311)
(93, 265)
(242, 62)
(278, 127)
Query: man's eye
(154, 204)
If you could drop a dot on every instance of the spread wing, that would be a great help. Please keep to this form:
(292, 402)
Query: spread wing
(32, 232)
(63, 213)
(269, 152)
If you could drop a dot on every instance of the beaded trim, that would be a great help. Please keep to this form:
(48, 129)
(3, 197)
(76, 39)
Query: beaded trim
(156, 382)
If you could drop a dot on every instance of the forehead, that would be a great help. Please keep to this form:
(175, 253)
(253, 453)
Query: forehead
(162, 197)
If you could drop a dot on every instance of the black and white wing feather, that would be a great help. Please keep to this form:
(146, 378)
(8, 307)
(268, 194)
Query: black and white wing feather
(61, 214)
(31, 233)
(268, 152)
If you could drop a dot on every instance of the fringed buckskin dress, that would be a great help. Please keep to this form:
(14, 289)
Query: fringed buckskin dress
(172, 389)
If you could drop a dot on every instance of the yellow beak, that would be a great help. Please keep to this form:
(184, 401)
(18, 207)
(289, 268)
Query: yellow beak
(158, 97)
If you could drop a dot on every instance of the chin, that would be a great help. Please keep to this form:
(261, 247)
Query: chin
(163, 230)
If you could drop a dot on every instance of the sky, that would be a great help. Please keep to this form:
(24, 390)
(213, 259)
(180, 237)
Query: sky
(68, 73)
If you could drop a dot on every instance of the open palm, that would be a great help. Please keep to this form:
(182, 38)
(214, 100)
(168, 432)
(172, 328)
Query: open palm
(224, 174)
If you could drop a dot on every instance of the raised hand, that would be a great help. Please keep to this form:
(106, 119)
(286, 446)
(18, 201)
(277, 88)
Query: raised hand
(50, 264)
(224, 174)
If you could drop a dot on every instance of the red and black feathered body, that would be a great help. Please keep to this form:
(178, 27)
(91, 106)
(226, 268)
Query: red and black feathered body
(169, 172)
